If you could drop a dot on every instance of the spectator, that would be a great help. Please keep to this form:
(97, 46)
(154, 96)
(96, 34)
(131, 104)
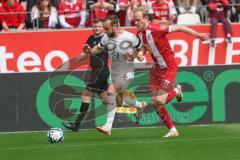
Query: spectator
(31, 3)
(12, 20)
(44, 15)
(72, 14)
(29, 6)
(126, 10)
(203, 11)
(187, 6)
(217, 10)
(100, 9)
(235, 11)
(162, 11)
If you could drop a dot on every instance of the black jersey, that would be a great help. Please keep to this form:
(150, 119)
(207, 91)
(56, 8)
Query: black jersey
(99, 60)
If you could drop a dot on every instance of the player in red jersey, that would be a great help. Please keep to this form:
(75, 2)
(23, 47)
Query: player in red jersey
(164, 70)
(126, 10)
(72, 14)
(162, 11)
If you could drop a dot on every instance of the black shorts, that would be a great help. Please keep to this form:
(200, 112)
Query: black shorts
(98, 80)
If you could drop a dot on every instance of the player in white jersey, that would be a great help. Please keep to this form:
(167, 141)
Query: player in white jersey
(117, 42)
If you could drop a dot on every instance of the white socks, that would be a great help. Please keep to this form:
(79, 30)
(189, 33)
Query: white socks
(173, 129)
(134, 103)
(112, 104)
(138, 104)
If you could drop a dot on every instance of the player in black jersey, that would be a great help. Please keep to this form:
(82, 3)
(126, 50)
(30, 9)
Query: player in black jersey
(98, 79)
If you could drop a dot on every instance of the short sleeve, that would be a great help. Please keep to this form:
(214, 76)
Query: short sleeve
(136, 41)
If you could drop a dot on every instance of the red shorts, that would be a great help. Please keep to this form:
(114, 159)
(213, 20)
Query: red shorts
(162, 79)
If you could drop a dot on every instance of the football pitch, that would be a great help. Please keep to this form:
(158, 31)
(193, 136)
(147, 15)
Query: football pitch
(206, 142)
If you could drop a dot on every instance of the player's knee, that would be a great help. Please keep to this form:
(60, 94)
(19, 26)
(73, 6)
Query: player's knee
(86, 99)
(160, 100)
(154, 102)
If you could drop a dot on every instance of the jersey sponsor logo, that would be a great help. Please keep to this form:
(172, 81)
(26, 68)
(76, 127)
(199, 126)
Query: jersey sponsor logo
(123, 45)
(161, 13)
(72, 15)
(111, 46)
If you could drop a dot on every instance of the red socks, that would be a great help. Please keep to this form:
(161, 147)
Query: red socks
(171, 95)
(163, 113)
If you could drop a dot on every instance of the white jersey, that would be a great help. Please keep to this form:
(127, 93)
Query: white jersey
(117, 47)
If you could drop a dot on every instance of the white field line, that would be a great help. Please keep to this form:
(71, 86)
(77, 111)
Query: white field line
(176, 140)
(194, 125)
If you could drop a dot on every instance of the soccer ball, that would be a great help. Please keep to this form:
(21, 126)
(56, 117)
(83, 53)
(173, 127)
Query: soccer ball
(55, 135)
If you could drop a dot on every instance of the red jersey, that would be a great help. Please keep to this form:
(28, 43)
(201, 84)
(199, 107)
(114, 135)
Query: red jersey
(71, 12)
(12, 19)
(128, 14)
(217, 8)
(161, 10)
(155, 40)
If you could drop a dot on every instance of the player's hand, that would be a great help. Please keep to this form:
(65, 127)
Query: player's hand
(140, 56)
(87, 49)
(129, 55)
(204, 36)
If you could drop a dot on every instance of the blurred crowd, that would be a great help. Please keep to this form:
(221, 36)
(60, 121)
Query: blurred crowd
(50, 14)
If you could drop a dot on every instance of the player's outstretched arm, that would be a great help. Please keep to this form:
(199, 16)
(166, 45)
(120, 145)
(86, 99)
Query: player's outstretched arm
(82, 56)
(202, 36)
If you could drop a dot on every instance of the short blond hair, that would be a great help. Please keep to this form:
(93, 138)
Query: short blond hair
(144, 13)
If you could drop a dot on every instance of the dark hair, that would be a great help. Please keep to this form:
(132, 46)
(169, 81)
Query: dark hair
(96, 20)
(114, 20)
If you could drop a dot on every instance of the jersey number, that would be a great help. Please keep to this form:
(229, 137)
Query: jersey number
(114, 55)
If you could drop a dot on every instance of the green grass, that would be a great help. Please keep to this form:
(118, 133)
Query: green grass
(212, 142)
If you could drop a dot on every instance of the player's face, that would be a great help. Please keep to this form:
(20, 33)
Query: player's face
(109, 28)
(140, 21)
(97, 28)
